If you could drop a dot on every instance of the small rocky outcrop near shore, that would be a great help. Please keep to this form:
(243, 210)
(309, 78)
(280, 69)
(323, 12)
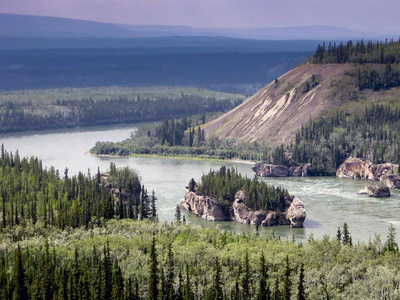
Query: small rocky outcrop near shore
(117, 193)
(206, 208)
(358, 168)
(375, 190)
(270, 170)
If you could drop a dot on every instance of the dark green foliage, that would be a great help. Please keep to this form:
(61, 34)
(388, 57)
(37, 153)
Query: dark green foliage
(300, 288)
(22, 116)
(377, 79)
(326, 143)
(31, 194)
(192, 185)
(359, 53)
(246, 279)
(154, 277)
(263, 288)
(215, 292)
(287, 280)
(391, 244)
(178, 215)
(20, 291)
(222, 185)
(346, 240)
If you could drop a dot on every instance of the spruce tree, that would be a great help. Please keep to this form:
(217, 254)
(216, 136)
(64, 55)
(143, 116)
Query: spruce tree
(300, 289)
(339, 235)
(391, 244)
(246, 277)
(288, 281)
(153, 206)
(187, 289)
(178, 216)
(215, 292)
(263, 290)
(346, 235)
(20, 291)
(107, 273)
(153, 268)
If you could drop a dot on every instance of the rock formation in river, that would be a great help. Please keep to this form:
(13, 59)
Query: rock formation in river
(206, 208)
(357, 168)
(269, 170)
(375, 190)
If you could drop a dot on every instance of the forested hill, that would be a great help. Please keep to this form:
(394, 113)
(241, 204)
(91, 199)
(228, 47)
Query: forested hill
(344, 76)
(66, 108)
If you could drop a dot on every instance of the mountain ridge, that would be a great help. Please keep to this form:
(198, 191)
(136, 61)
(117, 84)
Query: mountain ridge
(12, 25)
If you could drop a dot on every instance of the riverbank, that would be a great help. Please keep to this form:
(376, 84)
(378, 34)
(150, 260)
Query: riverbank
(178, 157)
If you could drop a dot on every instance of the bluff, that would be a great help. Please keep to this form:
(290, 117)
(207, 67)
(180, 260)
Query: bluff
(270, 170)
(207, 208)
(277, 111)
(358, 168)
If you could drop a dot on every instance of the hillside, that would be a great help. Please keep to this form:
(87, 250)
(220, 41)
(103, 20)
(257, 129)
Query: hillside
(27, 26)
(278, 110)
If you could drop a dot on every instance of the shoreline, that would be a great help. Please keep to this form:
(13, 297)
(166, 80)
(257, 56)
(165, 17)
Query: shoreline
(186, 157)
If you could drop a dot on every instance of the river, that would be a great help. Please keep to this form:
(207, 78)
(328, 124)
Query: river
(329, 201)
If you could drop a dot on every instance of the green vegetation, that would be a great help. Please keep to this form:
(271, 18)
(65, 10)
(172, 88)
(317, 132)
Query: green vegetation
(128, 259)
(327, 142)
(30, 194)
(223, 184)
(72, 238)
(180, 138)
(62, 113)
(358, 53)
(368, 56)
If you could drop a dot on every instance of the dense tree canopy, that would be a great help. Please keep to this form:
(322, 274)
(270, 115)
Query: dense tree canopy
(31, 194)
(31, 115)
(224, 183)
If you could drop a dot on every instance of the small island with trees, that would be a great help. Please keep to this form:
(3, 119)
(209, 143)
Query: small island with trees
(226, 195)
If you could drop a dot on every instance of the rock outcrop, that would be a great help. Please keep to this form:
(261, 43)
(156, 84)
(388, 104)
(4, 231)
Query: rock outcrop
(206, 208)
(376, 190)
(116, 192)
(270, 170)
(203, 206)
(357, 168)
(391, 181)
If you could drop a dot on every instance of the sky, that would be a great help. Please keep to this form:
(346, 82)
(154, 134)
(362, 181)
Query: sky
(378, 16)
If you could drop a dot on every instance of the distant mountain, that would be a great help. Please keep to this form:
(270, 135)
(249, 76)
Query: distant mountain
(23, 26)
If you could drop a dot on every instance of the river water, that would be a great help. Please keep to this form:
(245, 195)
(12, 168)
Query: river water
(329, 201)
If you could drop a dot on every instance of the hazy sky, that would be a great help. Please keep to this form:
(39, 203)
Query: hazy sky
(380, 16)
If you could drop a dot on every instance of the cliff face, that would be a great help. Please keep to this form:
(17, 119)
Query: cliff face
(269, 170)
(206, 208)
(357, 168)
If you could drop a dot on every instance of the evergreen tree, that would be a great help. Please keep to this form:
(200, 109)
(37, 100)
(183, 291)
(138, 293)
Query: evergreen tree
(246, 277)
(187, 289)
(20, 291)
(300, 289)
(153, 206)
(178, 215)
(153, 267)
(215, 292)
(107, 273)
(346, 235)
(287, 281)
(391, 244)
(263, 290)
(339, 235)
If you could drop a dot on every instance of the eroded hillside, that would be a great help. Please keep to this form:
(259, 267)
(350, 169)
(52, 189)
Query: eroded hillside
(280, 108)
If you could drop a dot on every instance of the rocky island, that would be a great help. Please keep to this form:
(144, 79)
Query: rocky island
(386, 173)
(245, 201)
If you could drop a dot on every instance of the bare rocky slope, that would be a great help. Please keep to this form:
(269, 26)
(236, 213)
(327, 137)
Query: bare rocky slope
(275, 112)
